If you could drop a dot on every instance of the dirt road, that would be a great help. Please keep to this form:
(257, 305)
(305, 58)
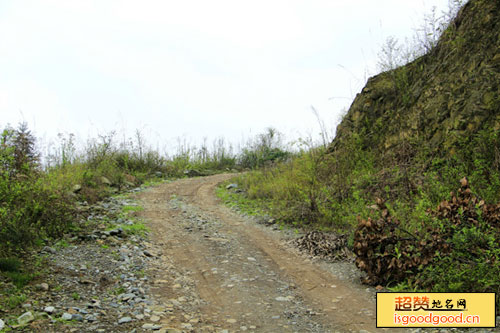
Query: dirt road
(221, 272)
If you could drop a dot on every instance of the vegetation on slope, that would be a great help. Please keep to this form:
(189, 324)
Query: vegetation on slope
(38, 200)
(408, 139)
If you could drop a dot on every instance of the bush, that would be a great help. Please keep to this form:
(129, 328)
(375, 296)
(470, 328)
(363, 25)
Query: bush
(266, 149)
(37, 202)
(458, 251)
(469, 230)
(30, 208)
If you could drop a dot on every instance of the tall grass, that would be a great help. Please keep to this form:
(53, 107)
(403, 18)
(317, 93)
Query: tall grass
(331, 190)
(37, 199)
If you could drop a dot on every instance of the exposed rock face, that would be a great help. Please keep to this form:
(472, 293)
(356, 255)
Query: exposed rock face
(451, 92)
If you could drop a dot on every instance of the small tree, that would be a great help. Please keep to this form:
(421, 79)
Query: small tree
(18, 150)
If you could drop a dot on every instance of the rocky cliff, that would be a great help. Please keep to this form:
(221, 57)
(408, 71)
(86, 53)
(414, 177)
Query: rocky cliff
(448, 94)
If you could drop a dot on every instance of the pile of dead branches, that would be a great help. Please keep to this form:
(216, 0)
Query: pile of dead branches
(383, 250)
(329, 246)
(388, 253)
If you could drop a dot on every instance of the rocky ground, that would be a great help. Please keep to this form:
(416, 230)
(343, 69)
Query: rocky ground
(200, 268)
(94, 280)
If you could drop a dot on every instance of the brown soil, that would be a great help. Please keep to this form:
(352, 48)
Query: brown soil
(240, 276)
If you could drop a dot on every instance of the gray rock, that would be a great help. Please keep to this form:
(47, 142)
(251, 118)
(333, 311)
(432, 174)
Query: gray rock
(231, 186)
(126, 297)
(77, 317)
(25, 318)
(124, 320)
(67, 316)
(49, 309)
(2, 324)
(282, 299)
(90, 318)
(115, 232)
(153, 327)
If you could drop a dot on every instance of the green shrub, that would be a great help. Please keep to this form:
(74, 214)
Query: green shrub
(330, 189)
(9, 264)
(30, 207)
(267, 148)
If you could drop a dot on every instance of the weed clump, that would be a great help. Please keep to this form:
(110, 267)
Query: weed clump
(458, 250)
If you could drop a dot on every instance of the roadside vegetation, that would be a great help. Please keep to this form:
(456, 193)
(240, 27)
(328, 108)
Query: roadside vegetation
(421, 209)
(43, 197)
(38, 199)
(340, 190)
(419, 203)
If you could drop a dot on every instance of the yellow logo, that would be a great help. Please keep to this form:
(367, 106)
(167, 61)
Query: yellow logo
(435, 309)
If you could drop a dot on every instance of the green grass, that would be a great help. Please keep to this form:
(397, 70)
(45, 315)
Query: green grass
(62, 243)
(39, 204)
(329, 191)
(132, 208)
(20, 279)
(239, 201)
(153, 182)
(13, 301)
(12, 269)
(9, 264)
(137, 228)
(117, 291)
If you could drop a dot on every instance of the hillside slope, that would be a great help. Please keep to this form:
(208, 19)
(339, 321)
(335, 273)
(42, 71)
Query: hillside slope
(413, 175)
(450, 93)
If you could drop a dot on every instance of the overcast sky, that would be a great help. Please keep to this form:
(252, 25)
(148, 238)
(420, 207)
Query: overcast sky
(196, 69)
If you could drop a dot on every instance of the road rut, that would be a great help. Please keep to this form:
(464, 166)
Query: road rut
(221, 272)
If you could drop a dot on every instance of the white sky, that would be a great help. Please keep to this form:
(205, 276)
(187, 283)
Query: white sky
(190, 68)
